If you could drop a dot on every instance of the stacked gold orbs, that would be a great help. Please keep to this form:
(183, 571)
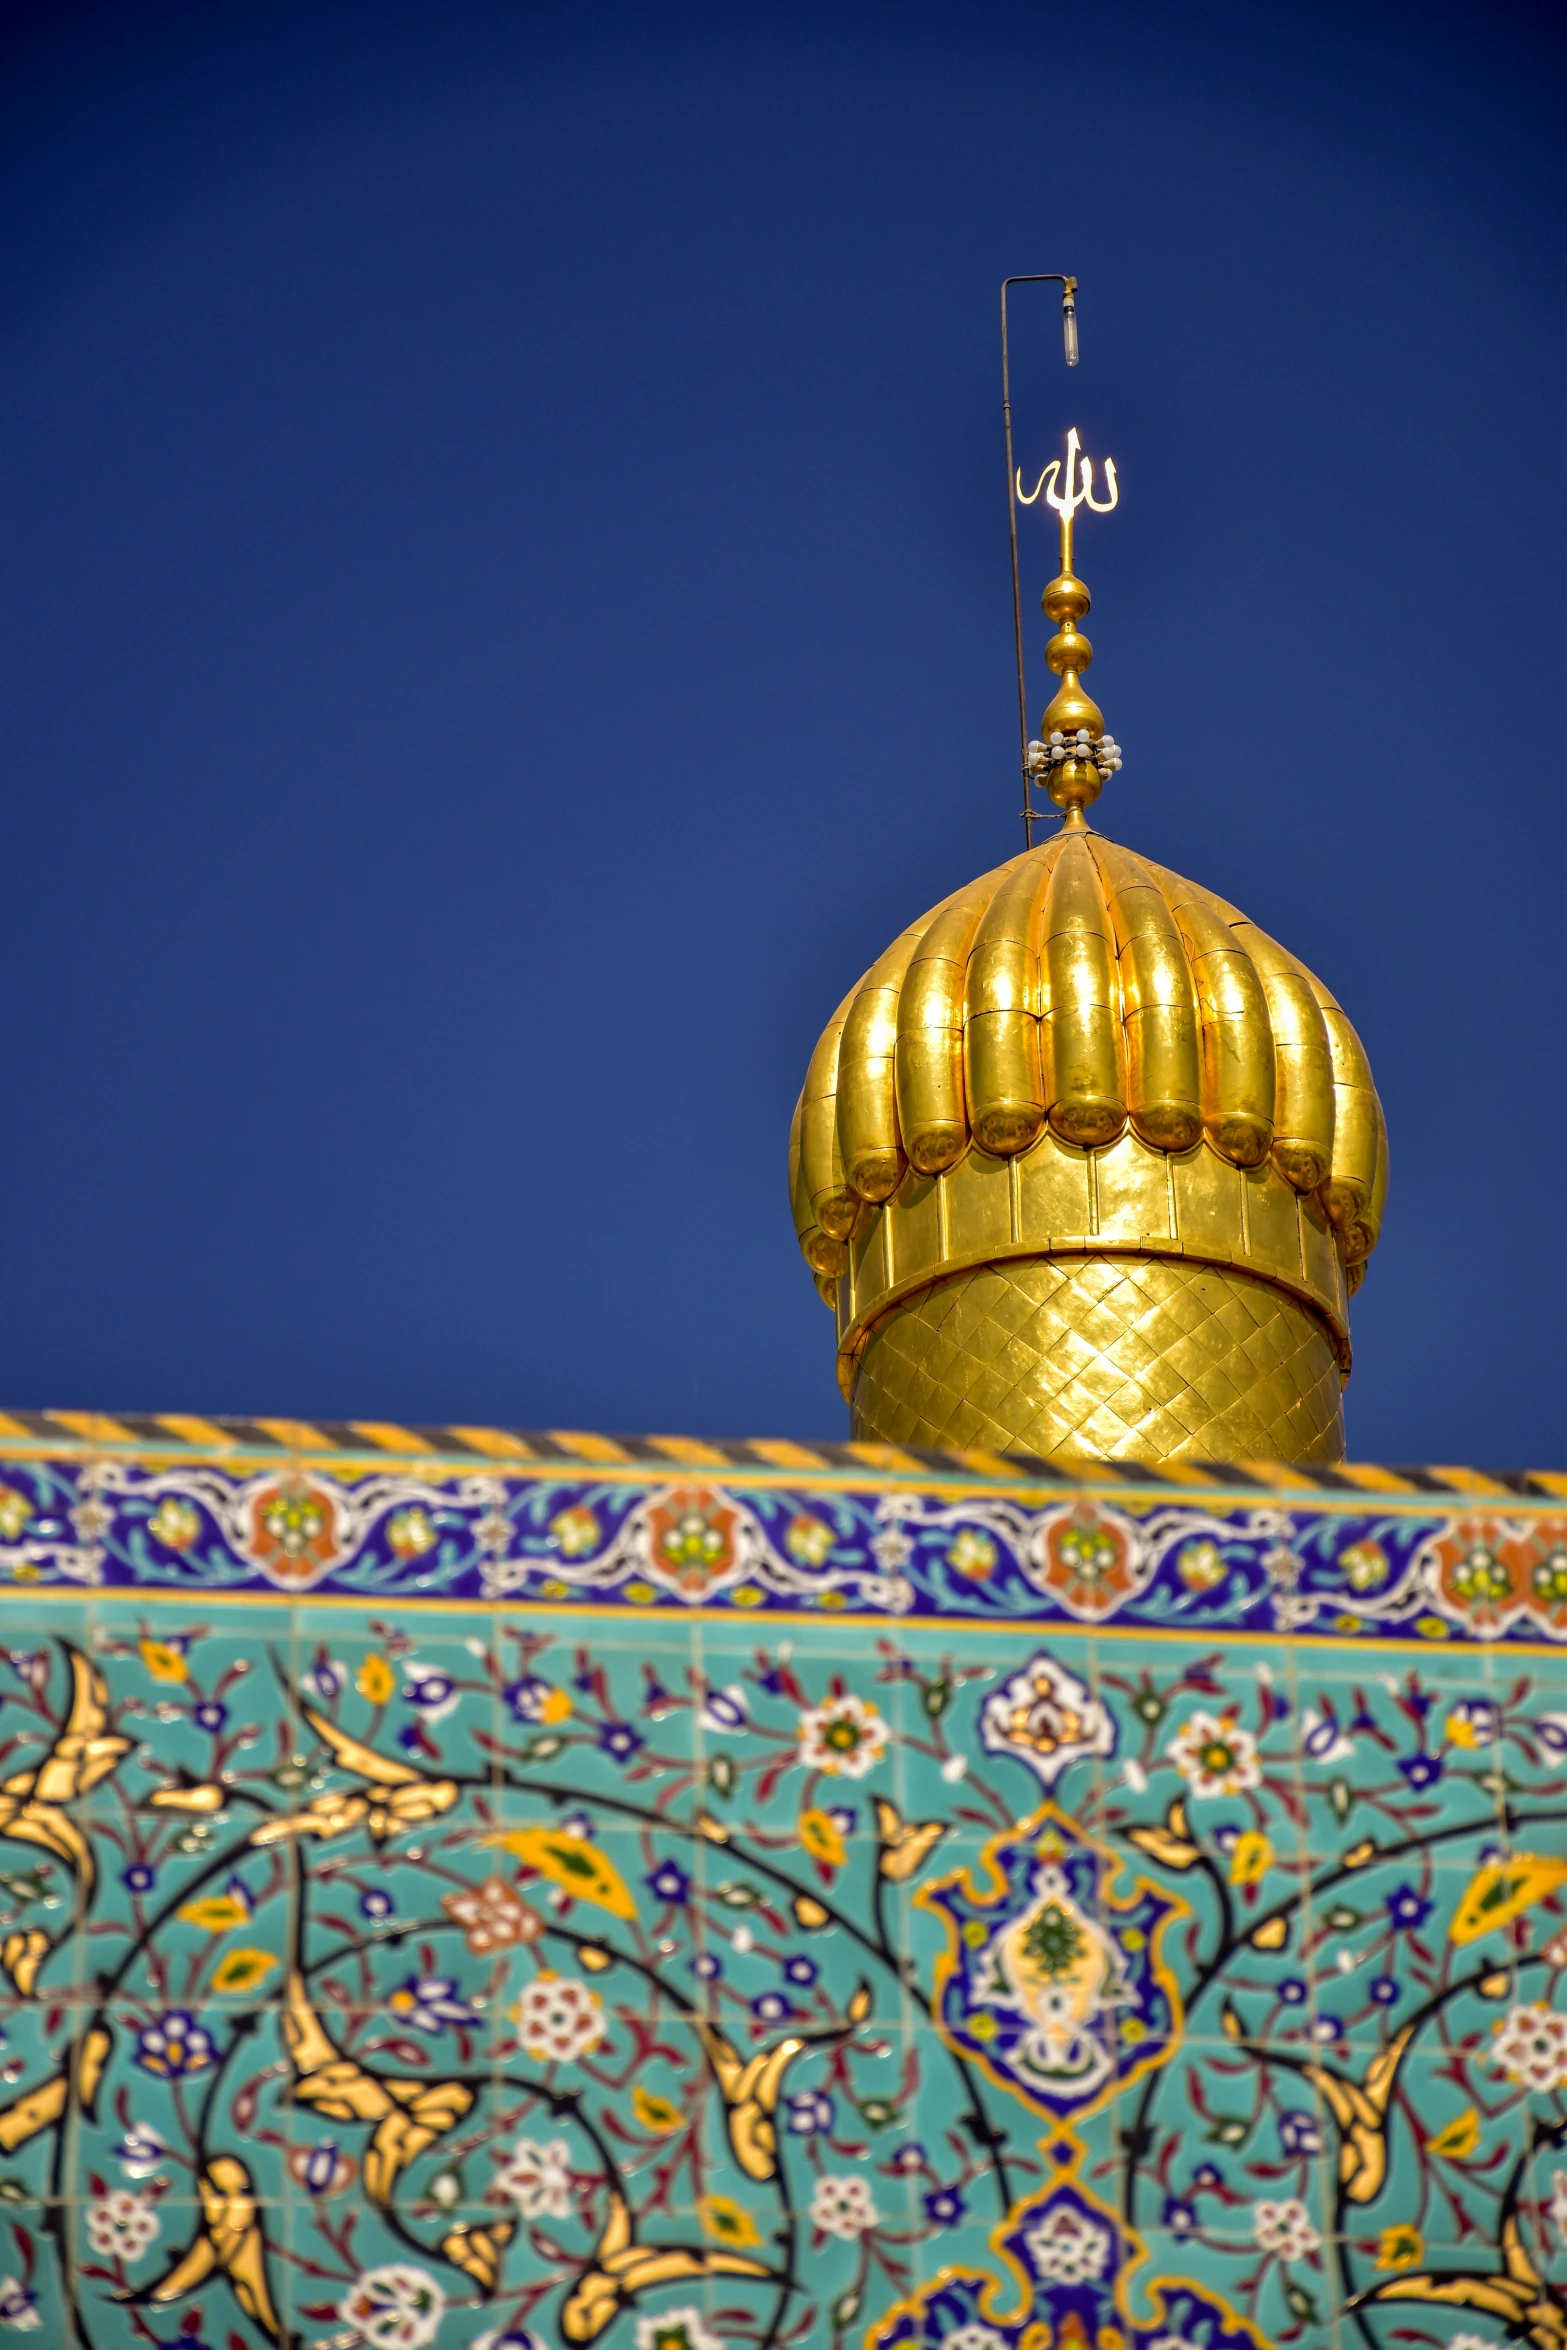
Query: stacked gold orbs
(1074, 783)
(1087, 1164)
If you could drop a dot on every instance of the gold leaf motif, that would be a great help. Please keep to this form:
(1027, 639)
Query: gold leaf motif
(1516, 2293)
(906, 1845)
(231, 2240)
(728, 2221)
(215, 1913)
(202, 1797)
(1360, 2110)
(22, 1954)
(751, 2086)
(477, 2250)
(1502, 1891)
(574, 1864)
(623, 2268)
(655, 2113)
(84, 1753)
(1251, 1857)
(1171, 1844)
(1459, 2139)
(821, 1837)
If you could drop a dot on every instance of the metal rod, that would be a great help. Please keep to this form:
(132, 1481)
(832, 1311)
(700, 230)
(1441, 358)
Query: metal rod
(1049, 277)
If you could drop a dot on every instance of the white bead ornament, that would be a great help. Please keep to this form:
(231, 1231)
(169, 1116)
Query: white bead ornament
(1105, 753)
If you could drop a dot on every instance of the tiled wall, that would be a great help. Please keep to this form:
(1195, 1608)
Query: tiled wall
(447, 1905)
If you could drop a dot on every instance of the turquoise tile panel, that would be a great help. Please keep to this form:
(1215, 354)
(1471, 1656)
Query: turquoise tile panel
(548, 1905)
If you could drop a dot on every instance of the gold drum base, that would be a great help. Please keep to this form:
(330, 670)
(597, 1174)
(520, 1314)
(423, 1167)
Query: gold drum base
(1122, 1358)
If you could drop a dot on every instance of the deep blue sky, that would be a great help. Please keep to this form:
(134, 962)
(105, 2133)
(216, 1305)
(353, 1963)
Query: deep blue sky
(506, 613)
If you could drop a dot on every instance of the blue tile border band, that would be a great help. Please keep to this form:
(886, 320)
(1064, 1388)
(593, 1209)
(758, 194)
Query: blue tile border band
(1489, 1567)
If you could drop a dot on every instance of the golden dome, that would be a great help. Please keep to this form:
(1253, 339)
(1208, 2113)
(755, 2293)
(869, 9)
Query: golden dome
(1086, 1163)
(1081, 1056)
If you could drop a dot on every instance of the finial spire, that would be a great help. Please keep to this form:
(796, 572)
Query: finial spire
(1076, 754)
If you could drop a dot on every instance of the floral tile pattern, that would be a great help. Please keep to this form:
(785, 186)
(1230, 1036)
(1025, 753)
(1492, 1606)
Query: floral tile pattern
(476, 1909)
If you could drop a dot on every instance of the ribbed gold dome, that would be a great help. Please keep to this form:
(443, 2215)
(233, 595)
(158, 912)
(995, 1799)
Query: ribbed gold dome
(1145, 1136)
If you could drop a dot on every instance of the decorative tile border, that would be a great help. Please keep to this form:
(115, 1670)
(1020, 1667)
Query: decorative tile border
(462, 1902)
(912, 1541)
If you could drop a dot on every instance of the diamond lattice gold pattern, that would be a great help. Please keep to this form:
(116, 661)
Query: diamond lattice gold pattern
(1116, 1357)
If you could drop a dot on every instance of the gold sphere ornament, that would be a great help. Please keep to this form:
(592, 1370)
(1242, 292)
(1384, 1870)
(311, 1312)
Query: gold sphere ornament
(1086, 1163)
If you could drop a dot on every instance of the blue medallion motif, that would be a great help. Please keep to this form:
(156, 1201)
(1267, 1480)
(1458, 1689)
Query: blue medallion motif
(1051, 1982)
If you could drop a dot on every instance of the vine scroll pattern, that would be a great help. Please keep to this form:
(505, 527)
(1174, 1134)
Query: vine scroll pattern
(387, 1968)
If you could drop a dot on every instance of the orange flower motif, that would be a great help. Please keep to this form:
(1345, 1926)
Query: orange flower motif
(1482, 1570)
(692, 1536)
(493, 1916)
(1088, 1561)
(293, 1531)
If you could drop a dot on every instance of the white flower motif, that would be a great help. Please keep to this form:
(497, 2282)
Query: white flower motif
(1471, 2342)
(727, 1710)
(122, 2222)
(1215, 1756)
(431, 1690)
(1531, 2048)
(1047, 1718)
(973, 2338)
(1200, 1565)
(891, 1548)
(972, 1553)
(809, 1540)
(894, 1594)
(1322, 1740)
(1284, 2228)
(18, 2307)
(846, 1736)
(493, 1535)
(676, 2329)
(396, 2308)
(558, 2019)
(843, 2207)
(140, 2151)
(1557, 2206)
(576, 1531)
(538, 2179)
(1363, 1565)
(1069, 2249)
(1473, 1722)
(411, 1534)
